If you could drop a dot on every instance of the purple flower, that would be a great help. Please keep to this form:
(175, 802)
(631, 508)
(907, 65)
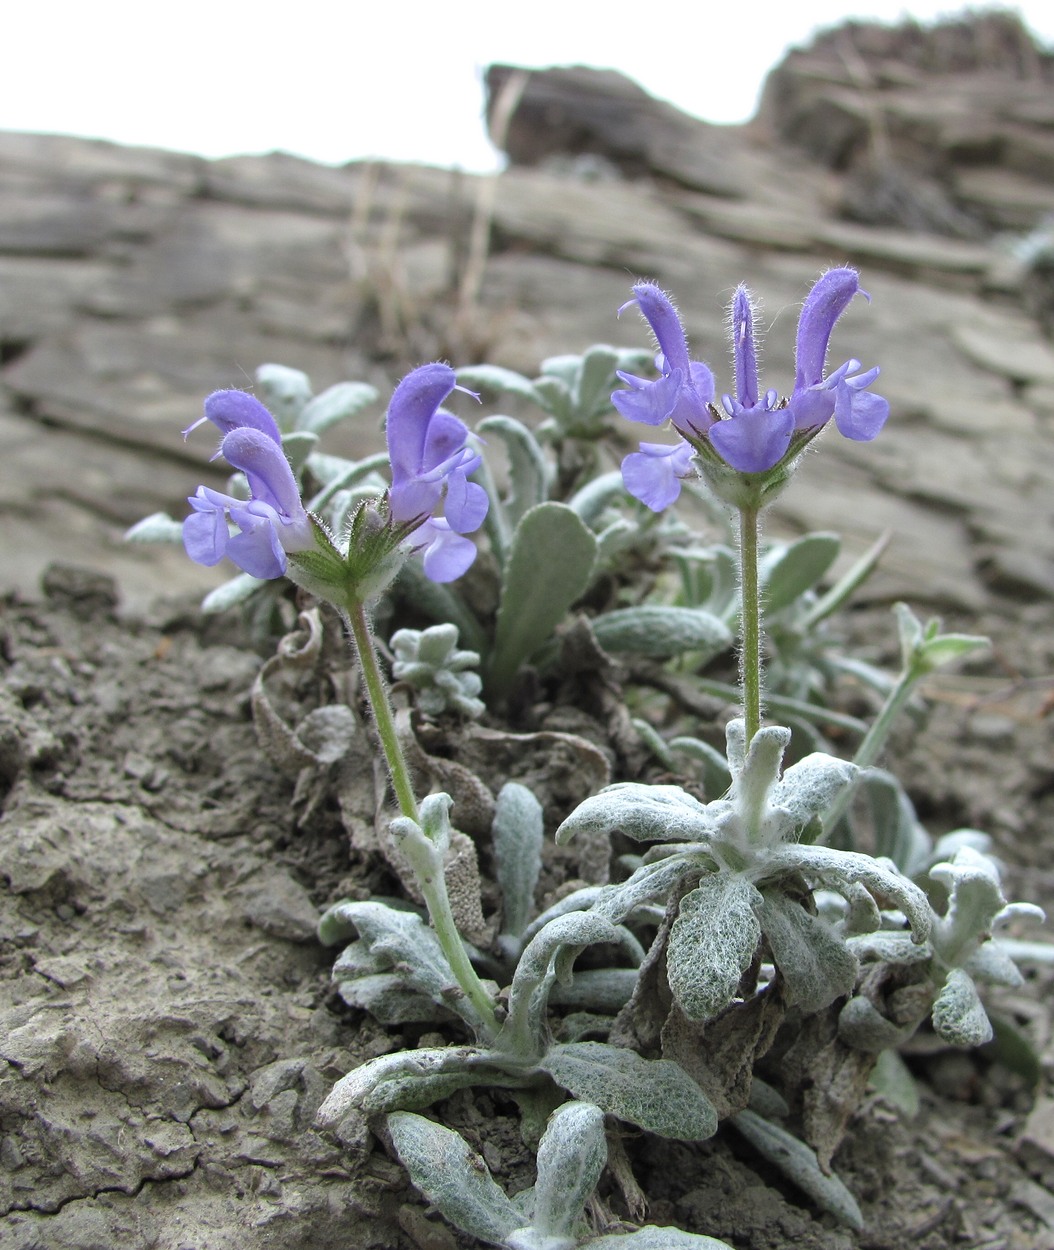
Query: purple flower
(684, 392)
(431, 462)
(272, 521)
(758, 429)
(653, 474)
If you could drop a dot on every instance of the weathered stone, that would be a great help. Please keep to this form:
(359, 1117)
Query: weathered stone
(133, 282)
(591, 112)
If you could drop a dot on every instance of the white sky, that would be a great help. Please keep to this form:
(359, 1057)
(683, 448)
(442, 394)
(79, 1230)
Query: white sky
(336, 80)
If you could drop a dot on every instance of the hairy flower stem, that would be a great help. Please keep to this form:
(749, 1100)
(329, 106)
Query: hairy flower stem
(429, 874)
(749, 619)
(359, 627)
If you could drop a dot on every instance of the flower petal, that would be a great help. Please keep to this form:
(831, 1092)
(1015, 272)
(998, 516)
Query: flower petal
(648, 402)
(447, 555)
(754, 440)
(205, 533)
(232, 410)
(263, 462)
(744, 353)
(824, 304)
(410, 413)
(257, 549)
(857, 413)
(653, 474)
(659, 312)
(465, 508)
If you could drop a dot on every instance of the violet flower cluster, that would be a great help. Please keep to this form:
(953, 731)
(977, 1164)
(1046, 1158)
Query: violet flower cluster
(431, 462)
(756, 430)
(273, 521)
(430, 459)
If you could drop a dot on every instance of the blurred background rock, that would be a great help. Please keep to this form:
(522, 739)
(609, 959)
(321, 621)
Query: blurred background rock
(135, 281)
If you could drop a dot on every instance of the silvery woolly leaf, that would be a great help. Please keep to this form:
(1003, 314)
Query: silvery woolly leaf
(755, 774)
(538, 966)
(401, 942)
(413, 1091)
(660, 631)
(809, 787)
(655, 1237)
(991, 964)
(596, 376)
(328, 732)
(352, 1091)
(284, 392)
(297, 447)
(495, 378)
(450, 1174)
(518, 830)
(891, 814)
(577, 900)
(605, 990)
(549, 566)
(787, 572)
(655, 1094)
(800, 1165)
(646, 814)
(528, 471)
(159, 527)
(571, 1156)
(336, 403)
(975, 899)
(889, 947)
(712, 943)
(386, 997)
(892, 1078)
(834, 869)
(862, 1026)
(231, 593)
(815, 962)
(592, 498)
(959, 1016)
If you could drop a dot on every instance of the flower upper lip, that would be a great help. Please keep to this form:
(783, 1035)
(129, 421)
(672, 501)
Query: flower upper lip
(431, 462)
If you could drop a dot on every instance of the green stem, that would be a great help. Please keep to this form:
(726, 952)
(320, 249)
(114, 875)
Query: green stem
(359, 628)
(749, 620)
(426, 863)
(875, 739)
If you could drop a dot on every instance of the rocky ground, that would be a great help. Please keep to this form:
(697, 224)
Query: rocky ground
(165, 1014)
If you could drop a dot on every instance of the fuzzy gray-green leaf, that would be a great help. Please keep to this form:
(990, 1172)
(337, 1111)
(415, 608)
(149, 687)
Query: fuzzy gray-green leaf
(336, 403)
(788, 572)
(959, 1016)
(800, 1165)
(646, 814)
(517, 830)
(284, 392)
(549, 566)
(528, 471)
(571, 1156)
(660, 632)
(712, 943)
(231, 593)
(158, 527)
(815, 962)
(655, 1237)
(655, 1094)
(453, 1177)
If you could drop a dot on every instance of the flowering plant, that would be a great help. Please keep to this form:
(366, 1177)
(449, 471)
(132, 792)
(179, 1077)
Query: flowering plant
(740, 923)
